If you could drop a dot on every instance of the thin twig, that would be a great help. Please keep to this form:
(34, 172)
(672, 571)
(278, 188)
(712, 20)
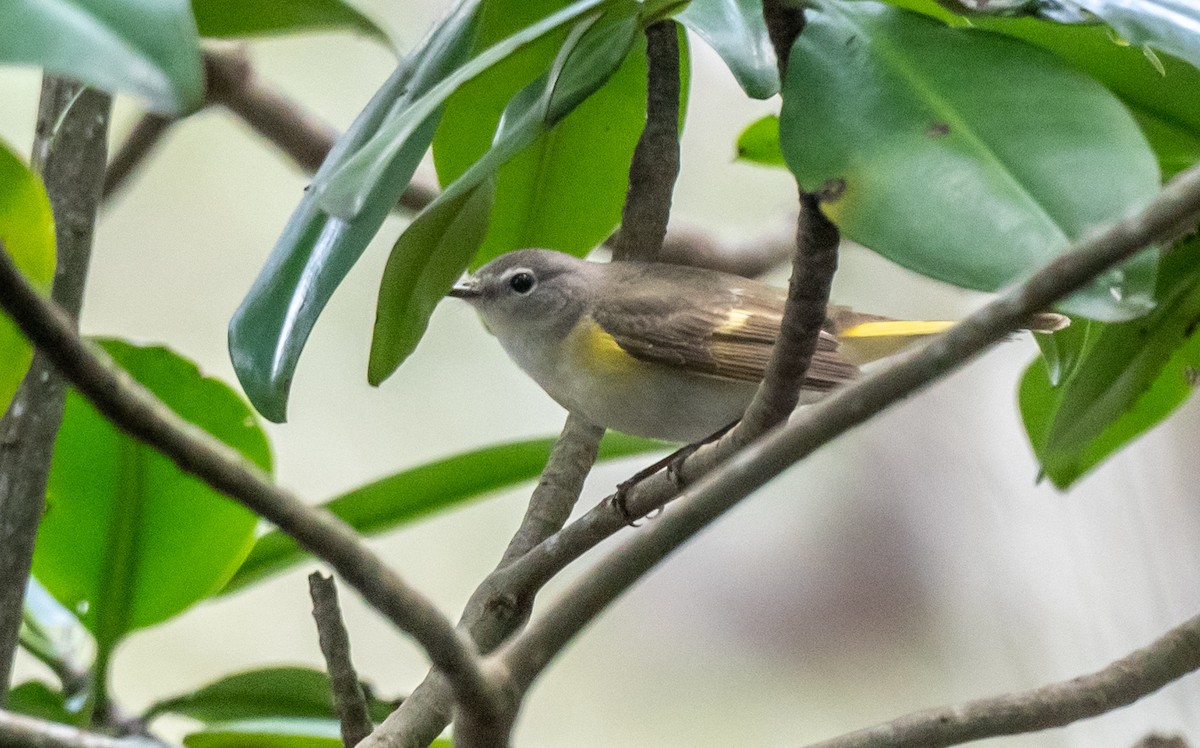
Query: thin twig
(348, 697)
(1173, 212)
(146, 418)
(493, 613)
(21, 731)
(1168, 658)
(69, 152)
(142, 140)
(655, 164)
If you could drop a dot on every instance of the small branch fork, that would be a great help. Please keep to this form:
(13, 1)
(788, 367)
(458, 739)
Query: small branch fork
(348, 698)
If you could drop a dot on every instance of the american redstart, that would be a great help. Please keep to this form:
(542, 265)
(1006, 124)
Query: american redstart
(664, 351)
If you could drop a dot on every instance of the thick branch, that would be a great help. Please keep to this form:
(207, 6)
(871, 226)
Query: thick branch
(1139, 674)
(147, 419)
(493, 613)
(20, 731)
(69, 151)
(1173, 212)
(655, 163)
(348, 697)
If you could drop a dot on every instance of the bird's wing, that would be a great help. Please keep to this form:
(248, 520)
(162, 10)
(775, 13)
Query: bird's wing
(722, 332)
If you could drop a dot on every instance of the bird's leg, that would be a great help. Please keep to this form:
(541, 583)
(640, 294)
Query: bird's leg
(674, 465)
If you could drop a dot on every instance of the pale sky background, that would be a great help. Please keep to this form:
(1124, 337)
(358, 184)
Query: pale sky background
(911, 564)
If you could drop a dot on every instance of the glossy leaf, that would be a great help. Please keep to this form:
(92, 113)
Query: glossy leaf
(356, 182)
(580, 167)
(1171, 26)
(316, 251)
(417, 492)
(128, 539)
(148, 49)
(267, 692)
(1130, 376)
(736, 31)
(424, 262)
(232, 18)
(1167, 96)
(759, 142)
(37, 699)
(27, 233)
(965, 155)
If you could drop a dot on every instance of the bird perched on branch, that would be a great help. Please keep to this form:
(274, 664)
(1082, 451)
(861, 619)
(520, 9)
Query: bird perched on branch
(664, 351)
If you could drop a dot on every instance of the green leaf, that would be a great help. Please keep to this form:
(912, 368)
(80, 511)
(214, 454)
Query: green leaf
(735, 29)
(424, 262)
(1129, 377)
(27, 232)
(1176, 147)
(965, 155)
(263, 693)
(269, 733)
(231, 18)
(356, 182)
(580, 167)
(1167, 96)
(37, 699)
(1171, 26)
(759, 142)
(148, 49)
(417, 492)
(316, 251)
(128, 539)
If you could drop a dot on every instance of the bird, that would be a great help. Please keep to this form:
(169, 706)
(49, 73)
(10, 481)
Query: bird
(660, 350)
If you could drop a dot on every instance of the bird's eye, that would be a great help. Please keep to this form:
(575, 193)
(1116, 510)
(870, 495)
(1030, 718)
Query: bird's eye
(522, 282)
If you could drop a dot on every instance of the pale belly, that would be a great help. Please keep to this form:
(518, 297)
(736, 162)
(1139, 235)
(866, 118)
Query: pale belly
(611, 389)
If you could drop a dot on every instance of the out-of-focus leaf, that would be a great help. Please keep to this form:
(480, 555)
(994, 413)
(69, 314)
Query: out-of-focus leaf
(423, 490)
(263, 693)
(357, 181)
(230, 18)
(54, 634)
(1171, 26)
(27, 233)
(735, 29)
(148, 49)
(1176, 147)
(275, 733)
(316, 250)
(39, 700)
(128, 539)
(965, 155)
(1129, 377)
(759, 142)
(423, 264)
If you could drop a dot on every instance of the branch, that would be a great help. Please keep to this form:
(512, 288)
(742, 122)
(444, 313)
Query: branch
(1139, 674)
(655, 163)
(146, 418)
(495, 611)
(348, 697)
(20, 731)
(1173, 212)
(142, 140)
(69, 152)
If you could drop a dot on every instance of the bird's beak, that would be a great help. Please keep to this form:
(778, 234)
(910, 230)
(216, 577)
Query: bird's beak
(467, 288)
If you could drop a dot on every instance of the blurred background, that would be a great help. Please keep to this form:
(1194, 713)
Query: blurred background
(913, 563)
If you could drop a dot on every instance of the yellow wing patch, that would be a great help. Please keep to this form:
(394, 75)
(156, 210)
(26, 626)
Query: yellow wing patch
(597, 350)
(871, 341)
(895, 329)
